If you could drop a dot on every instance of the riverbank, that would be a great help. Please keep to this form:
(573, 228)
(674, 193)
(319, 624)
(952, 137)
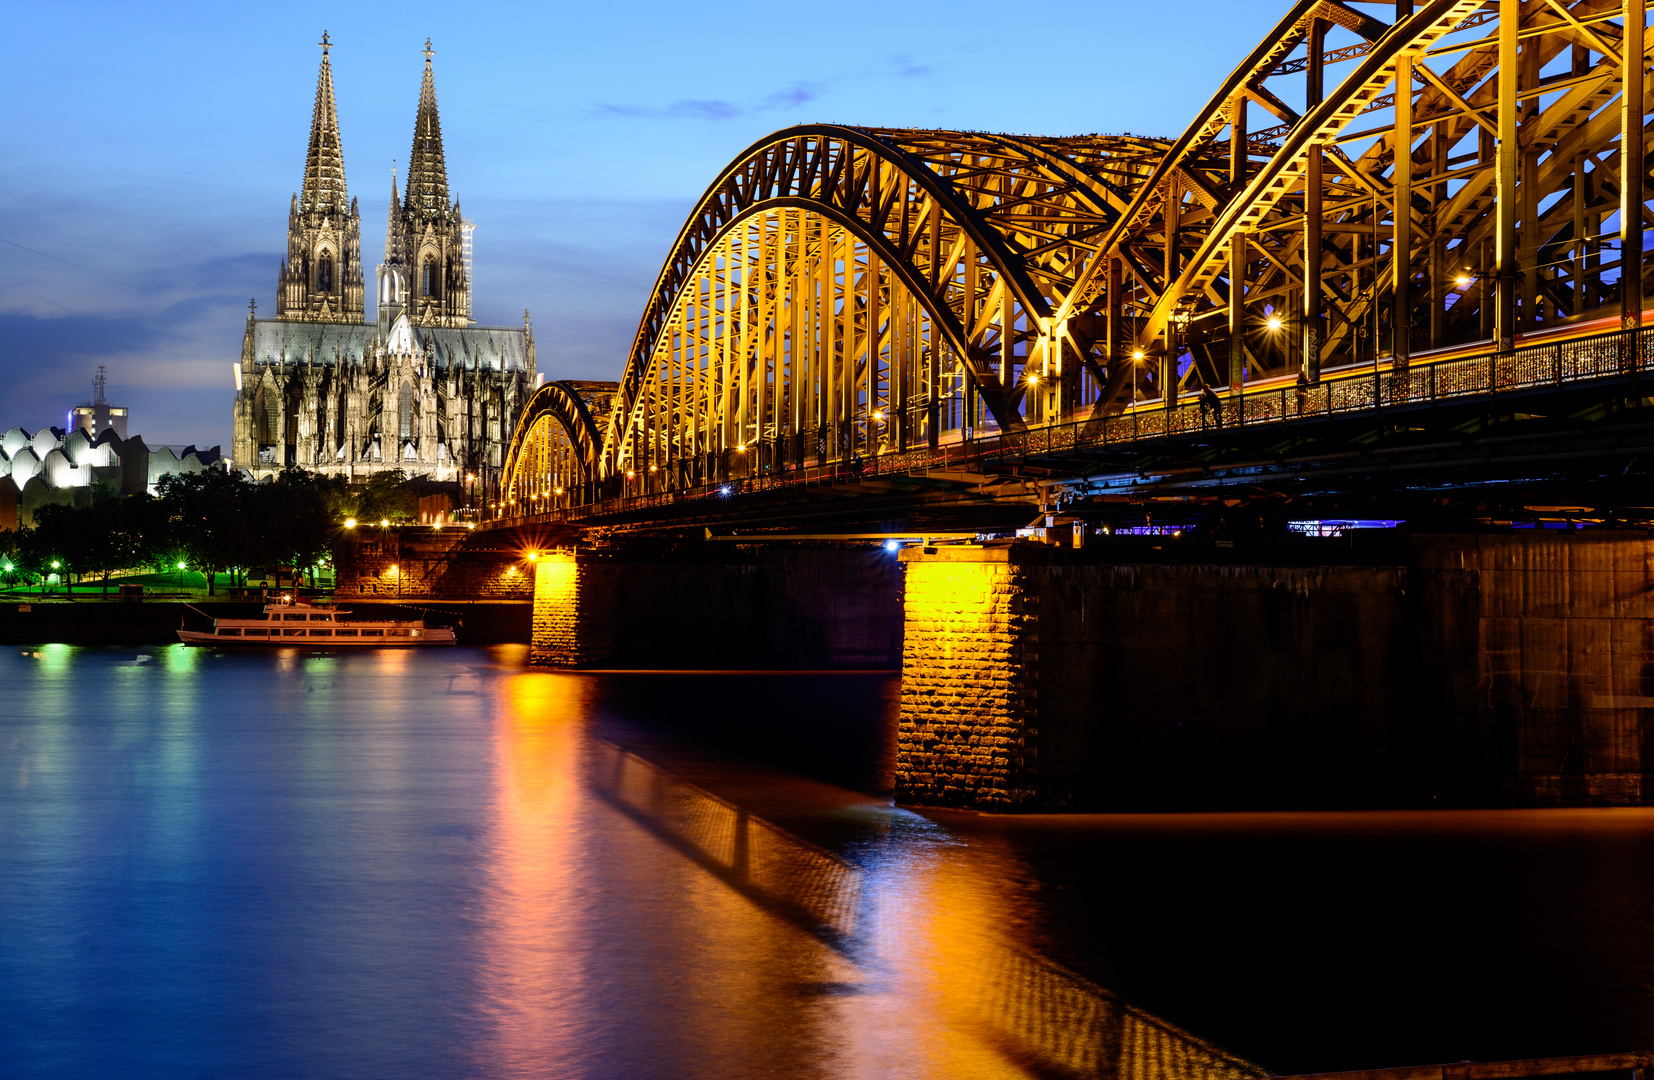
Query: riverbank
(97, 622)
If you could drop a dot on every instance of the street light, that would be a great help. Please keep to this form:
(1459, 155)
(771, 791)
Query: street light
(1273, 322)
(350, 523)
(181, 576)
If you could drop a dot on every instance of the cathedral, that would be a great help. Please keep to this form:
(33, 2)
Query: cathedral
(422, 387)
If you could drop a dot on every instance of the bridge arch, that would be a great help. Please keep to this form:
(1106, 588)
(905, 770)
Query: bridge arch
(1446, 180)
(552, 459)
(945, 254)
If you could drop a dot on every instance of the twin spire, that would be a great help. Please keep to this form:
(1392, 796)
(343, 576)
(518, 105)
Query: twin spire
(324, 167)
(427, 172)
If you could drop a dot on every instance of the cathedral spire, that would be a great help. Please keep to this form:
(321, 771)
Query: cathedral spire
(393, 225)
(324, 165)
(321, 278)
(427, 172)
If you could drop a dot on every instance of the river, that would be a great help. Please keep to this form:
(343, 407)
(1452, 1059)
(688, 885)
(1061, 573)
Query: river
(449, 864)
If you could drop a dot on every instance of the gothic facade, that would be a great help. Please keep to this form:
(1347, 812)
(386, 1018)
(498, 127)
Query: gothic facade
(421, 387)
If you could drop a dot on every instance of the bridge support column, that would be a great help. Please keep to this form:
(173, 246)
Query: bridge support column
(570, 628)
(1631, 178)
(970, 658)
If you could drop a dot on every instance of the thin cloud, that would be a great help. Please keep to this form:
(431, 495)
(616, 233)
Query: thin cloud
(678, 110)
(789, 97)
(716, 109)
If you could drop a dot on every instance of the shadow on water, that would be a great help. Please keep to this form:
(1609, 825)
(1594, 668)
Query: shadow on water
(1050, 1018)
(836, 728)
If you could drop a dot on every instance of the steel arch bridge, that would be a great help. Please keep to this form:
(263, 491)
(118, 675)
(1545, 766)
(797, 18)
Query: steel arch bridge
(1467, 174)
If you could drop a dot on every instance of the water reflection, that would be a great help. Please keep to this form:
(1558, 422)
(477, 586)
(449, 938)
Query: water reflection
(923, 927)
(528, 979)
(388, 864)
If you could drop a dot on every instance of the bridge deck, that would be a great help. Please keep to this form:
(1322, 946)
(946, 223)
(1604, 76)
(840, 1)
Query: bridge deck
(1541, 367)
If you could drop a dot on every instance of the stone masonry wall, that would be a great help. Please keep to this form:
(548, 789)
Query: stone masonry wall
(564, 632)
(422, 562)
(1565, 673)
(967, 733)
(780, 607)
(1472, 670)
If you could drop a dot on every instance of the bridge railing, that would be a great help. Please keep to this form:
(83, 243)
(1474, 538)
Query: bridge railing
(1421, 384)
(1578, 360)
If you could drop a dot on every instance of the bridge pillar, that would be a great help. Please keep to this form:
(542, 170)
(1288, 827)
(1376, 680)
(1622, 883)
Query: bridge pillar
(570, 629)
(1431, 670)
(970, 658)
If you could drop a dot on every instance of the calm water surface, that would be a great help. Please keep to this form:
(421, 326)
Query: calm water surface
(449, 865)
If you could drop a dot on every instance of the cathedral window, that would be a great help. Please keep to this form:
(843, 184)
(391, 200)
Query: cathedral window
(324, 273)
(264, 418)
(430, 281)
(405, 412)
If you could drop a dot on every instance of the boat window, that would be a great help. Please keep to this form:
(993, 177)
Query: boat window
(373, 633)
(257, 630)
(294, 618)
(292, 633)
(228, 631)
(346, 633)
(416, 633)
(321, 618)
(321, 633)
(399, 633)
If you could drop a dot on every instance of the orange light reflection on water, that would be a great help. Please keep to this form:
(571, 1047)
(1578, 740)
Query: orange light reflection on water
(525, 967)
(626, 932)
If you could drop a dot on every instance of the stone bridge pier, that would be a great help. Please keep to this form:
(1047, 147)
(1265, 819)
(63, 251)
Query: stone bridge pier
(768, 607)
(1446, 670)
(1496, 670)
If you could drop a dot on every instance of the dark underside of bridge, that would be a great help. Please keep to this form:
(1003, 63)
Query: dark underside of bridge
(1583, 455)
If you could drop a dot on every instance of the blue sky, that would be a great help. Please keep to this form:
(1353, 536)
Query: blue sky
(148, 152)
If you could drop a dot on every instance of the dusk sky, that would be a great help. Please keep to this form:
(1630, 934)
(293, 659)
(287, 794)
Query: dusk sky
(149, 151)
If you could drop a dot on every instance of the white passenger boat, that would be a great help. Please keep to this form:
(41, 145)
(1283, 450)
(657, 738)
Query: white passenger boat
(294, 622)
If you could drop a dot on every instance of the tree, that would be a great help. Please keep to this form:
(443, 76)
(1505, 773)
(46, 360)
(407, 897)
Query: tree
(111, 534)
(387, 496)
(293, 520)
(12, 568)
(210, 524)
(47, 545)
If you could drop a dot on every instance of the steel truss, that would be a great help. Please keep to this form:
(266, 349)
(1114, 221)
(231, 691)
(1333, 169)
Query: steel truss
(840, 293)
(552, 460)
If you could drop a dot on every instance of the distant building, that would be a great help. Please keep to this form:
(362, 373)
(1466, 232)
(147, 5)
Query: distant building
(98, 416)
(422, 388)
(51, 466)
